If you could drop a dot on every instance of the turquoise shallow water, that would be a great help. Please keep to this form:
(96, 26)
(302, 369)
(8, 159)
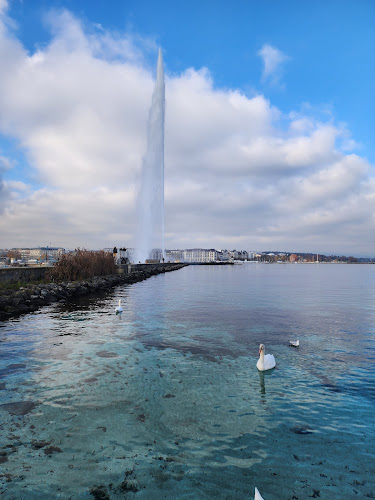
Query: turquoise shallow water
(165, 401)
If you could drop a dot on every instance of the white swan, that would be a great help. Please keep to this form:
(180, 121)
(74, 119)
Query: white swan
(294, 343)
(257, 496)
(265, 362)
(119, 309)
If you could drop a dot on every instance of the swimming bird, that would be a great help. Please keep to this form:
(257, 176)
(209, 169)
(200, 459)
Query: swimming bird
(265, 361)
(257, 496)
(119, 309)
(294, 343)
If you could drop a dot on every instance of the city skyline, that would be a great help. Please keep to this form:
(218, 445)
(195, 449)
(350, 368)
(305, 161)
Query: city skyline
(41, 252)
(269, 116)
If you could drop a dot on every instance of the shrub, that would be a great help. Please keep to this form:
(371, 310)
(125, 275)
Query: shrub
(83, 264)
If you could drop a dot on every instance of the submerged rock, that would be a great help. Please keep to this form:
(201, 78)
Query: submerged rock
(16, 366)
(302, 429)
(37, 445)
(128, 486)
(19, 408)
(52, 449)
(316, 494)
(99, 493)
(107, 354)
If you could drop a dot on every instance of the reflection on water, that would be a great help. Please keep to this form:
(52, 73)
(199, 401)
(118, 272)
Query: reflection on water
(165, 401)
(262, 379)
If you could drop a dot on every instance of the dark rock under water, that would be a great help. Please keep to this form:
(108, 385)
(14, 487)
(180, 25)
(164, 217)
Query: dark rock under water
(19, 408)
(302, 430)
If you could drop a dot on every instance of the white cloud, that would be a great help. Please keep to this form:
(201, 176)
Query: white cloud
(236, 176)
(5, 193)
(273, 60)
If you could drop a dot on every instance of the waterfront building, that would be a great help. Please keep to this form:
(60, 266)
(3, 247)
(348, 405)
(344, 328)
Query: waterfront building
(200, 255)
(232, 255)
(174, 255)
(157, 254)
(39, 254)
(223, 256)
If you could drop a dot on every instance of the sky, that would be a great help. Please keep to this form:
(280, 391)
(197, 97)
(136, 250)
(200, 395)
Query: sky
(269, 124)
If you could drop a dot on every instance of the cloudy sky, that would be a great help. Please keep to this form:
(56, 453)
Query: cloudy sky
(269, 140)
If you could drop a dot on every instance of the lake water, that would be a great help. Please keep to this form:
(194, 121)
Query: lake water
(165, 401)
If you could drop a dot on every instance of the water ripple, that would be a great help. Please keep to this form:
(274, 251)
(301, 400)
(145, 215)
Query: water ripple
(166, 398)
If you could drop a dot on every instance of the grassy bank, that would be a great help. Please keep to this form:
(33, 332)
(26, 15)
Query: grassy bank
(6, 287)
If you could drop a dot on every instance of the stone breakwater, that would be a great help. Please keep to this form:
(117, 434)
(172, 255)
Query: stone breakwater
(31, 297)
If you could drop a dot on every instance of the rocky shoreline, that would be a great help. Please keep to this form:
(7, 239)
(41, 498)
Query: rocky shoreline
(31, 297)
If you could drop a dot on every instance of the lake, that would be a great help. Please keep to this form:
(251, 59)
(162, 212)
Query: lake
(165, 401)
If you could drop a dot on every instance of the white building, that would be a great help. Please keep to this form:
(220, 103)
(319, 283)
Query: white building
(174, 255)
(253, 254)
(157, 254)
(40, 254)
(223, 256)
(200, 255)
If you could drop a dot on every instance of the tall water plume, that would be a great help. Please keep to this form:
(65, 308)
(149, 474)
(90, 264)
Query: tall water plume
(150, 202)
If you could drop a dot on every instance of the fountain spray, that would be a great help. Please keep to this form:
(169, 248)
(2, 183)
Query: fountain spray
(150, 201)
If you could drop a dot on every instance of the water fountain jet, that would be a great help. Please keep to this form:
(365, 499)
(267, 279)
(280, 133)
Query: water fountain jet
(150, 200)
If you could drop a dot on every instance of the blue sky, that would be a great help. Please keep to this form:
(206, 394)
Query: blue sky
(304, 72)
(330, 46)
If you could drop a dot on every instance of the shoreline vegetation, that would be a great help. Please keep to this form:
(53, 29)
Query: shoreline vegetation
(83, 273)
(82, 264)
